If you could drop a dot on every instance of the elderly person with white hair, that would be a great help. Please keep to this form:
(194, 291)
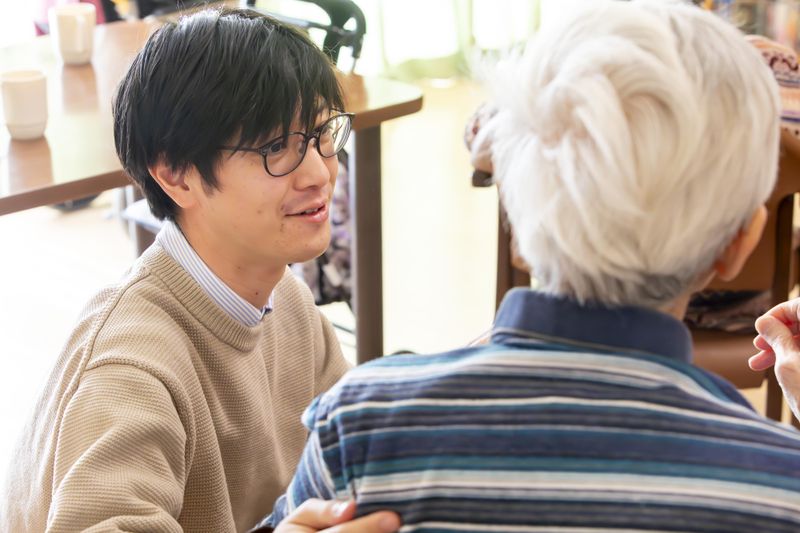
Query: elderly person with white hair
(634, 145)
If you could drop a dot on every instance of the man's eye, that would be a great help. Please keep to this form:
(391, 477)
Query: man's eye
(276, 147)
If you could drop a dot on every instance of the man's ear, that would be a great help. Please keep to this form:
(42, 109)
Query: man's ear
(179, 184)
(730, 262)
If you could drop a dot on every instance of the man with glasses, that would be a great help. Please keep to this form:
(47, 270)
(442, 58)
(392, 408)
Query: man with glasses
(176, 403)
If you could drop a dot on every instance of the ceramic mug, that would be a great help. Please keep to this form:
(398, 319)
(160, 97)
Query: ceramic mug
(72, 32)
(24, 96)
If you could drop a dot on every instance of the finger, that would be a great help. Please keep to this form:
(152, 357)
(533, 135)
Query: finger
(779, 337)
(761, 361)
(788, 313)
(761, 344)
(319, 514)
(380, 522)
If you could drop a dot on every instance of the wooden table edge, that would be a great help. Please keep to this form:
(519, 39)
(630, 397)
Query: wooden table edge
(72, 190)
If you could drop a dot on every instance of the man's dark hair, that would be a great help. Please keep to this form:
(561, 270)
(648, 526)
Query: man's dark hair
(214, 78)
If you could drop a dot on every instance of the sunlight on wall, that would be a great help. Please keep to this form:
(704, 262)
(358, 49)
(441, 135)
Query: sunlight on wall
(497, 24)
(552, 10)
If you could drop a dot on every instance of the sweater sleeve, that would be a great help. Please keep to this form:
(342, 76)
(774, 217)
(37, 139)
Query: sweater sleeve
(312, 479)
(120, 460)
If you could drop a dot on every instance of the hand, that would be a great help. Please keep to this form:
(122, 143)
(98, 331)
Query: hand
(336, 517)
(478, 138)
(773, 327)
(777, 342)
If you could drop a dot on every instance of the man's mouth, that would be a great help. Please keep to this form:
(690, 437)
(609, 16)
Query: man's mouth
(317, 213)
(309, 211)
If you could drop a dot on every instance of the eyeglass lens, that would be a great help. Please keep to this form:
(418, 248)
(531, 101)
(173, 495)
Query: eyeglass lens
(284, 155)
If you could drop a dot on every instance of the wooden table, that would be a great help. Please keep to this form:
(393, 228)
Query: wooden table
(76, 158)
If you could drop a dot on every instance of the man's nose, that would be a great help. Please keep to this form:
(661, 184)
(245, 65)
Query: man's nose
(312, 172)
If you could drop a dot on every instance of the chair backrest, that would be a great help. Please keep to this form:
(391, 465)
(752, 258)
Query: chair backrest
(771, 266)
(339, 12)
(145, 8)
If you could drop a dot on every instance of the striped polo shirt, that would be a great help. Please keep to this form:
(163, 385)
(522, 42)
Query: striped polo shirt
(573, 418)
(173, 241)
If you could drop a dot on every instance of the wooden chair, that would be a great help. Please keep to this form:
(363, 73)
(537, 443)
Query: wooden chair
(771, 267)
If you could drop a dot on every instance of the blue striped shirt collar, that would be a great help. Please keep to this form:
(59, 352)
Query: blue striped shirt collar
(173, 241)
(526, 315)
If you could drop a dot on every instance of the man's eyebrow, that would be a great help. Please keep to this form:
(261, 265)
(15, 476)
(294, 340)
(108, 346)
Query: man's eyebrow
(324, 108)
(277, 132)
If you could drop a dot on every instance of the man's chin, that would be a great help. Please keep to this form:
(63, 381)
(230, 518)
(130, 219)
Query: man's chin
(309, 254)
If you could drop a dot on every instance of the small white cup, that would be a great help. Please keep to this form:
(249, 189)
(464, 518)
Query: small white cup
(72, 32)
(24, 94)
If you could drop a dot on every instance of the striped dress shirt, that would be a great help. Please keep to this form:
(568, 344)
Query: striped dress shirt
(171, 238)
(574, 418)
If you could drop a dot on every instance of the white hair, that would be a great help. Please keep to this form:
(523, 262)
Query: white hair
(632, 142)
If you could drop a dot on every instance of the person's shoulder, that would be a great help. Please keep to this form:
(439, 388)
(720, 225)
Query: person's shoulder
(136, 321)
(138, 283)
(98, 310)
(139, 293)
(401, 376)
(443, 362)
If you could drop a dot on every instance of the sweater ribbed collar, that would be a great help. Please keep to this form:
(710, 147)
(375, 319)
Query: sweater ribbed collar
(197, 302)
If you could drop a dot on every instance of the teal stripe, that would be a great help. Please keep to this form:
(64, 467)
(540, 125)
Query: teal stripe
(697, 375)
(542, 350)
(500, 465)
(419, 360)
(347, 417)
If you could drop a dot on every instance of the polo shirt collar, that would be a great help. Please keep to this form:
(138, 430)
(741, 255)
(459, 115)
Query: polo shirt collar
(528, 316)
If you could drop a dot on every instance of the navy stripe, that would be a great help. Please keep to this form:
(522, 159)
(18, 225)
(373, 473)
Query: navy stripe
(552, 414)
(648, 517)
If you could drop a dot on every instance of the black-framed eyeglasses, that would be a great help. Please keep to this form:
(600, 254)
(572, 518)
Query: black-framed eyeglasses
(284, 154)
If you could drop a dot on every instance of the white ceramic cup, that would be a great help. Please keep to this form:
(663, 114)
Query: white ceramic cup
(72, 32)
(24, 94)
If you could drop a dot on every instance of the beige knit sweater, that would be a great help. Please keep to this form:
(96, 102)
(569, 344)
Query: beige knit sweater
(165, 414)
